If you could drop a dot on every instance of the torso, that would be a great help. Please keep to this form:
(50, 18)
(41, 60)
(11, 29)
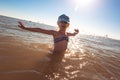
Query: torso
(60, 45)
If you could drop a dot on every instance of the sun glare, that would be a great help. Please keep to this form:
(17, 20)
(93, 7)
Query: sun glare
(84, 4)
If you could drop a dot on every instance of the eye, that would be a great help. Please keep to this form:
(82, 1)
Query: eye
(63, 22)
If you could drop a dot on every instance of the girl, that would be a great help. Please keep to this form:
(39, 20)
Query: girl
(61, 37)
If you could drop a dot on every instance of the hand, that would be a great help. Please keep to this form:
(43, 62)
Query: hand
(21, 25)
(76, 31)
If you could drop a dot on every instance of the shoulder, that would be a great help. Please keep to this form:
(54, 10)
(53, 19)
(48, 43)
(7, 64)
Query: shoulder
(53, 32)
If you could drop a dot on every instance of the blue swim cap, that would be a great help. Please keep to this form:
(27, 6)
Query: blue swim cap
(63, 17)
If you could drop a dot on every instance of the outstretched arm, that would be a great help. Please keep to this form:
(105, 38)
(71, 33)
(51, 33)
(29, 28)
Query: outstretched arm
(50, 32)
(73, 34)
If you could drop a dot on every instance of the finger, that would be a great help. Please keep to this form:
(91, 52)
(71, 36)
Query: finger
(19, 26)
(20, 23)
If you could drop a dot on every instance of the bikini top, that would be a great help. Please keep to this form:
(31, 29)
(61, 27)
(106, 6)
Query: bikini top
(61, 38)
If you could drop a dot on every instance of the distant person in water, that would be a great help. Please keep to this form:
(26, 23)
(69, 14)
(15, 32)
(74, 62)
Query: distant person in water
(61, 37)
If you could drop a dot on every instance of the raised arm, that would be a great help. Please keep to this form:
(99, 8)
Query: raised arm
(49, 32)
(73, 34)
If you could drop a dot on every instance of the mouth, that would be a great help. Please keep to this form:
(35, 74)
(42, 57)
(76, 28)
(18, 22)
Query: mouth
(63, 26)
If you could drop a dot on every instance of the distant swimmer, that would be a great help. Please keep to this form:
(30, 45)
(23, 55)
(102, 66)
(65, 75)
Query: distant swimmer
(61, 37)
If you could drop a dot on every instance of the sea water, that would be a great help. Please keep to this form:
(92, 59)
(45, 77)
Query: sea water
(24, 55)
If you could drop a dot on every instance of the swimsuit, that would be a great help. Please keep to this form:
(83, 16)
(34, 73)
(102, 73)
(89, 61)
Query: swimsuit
(61, 39)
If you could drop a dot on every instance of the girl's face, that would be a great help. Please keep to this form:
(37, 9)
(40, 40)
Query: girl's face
(63, 25)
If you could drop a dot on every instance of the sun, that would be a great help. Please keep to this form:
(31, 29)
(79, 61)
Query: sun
(84, 4)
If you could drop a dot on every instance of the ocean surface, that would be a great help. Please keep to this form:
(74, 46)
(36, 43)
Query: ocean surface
(24, 55)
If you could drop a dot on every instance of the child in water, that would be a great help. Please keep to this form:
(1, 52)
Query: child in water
(61, 37)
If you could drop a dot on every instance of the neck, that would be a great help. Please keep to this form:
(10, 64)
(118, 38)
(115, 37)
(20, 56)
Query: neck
(62, 31)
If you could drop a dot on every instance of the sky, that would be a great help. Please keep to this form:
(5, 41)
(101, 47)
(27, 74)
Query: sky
(96, 17)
